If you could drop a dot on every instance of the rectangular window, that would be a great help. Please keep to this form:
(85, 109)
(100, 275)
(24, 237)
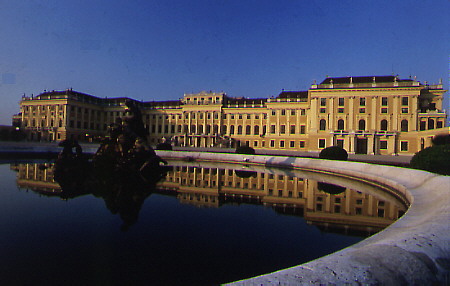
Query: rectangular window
(323, 102)
(281, 143)
(283, 129)
(404, 100)
(292, 112)
(323, 110)
(340, 143)
(362, 110)
(321, 143)
(404, 110)
(292, 129)
(302, 144)
(240, 116)
(303, 112)
(362, 101)
(383, 144)
(272, 129)
(283, 112)
(302, 129)
(384, 101)
(255, 144)
(423, 125)
(272, 143)
(384, 110)
(274, 112)
(403, 145)
(341, 101)
(341, 110)
(292, 144)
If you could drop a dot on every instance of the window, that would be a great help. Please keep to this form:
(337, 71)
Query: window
(341, 110)
(362, 101)
(249, 116)
(321, 143)
(248, 130)
(292, 144)
(384, 125)
(274, 112)
(384, 101)
(240, 116)
(341, 101)
(439, 124)
(383, 144)
(323, 102)
(232, 130)
(384, 110)
(430, 123)
(404, 100)
(423, 125)
(403, 146)
(340, 124)
(292, 129)
(362, 124)
(255, 144)
(302, 144)
(281, 143)
(302, 129)
(256, 130)
(404, 125)
(239, 131)
(404, 110)
(283, 112)
(323, 110)
(303, 112)
(232, 116)
(292, 112)
(322, 124)
(283, 129)
(272, 143)
(362, 110)
(272, 129)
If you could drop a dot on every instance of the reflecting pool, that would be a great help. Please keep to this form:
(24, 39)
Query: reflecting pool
(200, 224)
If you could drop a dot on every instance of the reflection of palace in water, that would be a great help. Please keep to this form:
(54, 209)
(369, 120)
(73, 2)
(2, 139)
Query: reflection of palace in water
(330, 207)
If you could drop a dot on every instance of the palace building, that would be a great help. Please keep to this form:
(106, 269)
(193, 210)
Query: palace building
(365, 115)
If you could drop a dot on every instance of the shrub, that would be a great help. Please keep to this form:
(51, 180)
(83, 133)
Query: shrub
(441, 139)
(164, 146)
(245, 150)
(334, 153)
(434, 159)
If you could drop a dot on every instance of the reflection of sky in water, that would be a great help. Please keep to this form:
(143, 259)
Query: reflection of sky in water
(80, 240)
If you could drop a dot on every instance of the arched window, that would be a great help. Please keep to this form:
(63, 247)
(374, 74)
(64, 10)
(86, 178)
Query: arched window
(323, 124)
(430, 123)
(216, 128)
(232, 130)
(248, 130)
(362, 124)
(404, 125)
(340, 124)
(239, 129)
(384, 125)
(256, 130)
(224, 129)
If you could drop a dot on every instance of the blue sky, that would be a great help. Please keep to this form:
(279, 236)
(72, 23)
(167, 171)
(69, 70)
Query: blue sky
(159, 50)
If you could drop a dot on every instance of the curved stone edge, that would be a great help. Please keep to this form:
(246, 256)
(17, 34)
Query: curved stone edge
(414, 250)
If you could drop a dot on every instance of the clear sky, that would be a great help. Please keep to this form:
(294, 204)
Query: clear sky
(159, 50)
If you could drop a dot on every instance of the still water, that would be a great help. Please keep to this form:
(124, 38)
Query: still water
(197, 225)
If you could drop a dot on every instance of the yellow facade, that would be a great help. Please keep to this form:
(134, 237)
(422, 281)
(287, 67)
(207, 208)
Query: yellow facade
(366, 115)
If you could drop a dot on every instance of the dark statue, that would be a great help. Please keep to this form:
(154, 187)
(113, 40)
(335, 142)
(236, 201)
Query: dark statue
(123, 171)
